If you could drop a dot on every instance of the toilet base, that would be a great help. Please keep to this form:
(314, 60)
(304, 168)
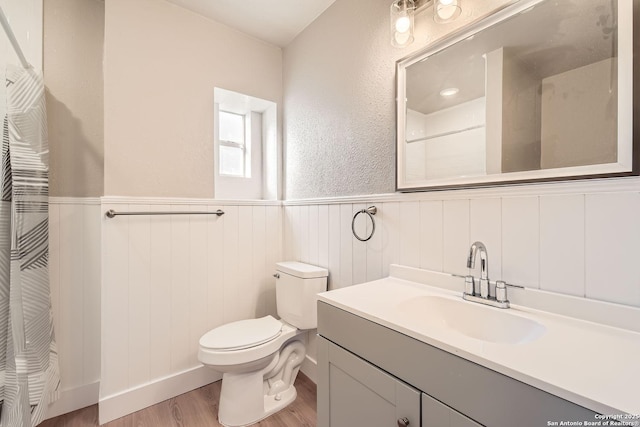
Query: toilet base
(229, 417)
(273, 404)
(246, 398)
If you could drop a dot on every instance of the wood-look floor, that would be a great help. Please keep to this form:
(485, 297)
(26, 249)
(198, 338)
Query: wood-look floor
(198, 408)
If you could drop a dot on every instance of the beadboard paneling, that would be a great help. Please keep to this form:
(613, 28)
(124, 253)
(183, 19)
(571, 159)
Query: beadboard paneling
(612, 218)
(573, 244)
(390, 234)
(74, 271)
(521, 241)
(562, 244)
(160, 299)
(431, 233)
(169, 279)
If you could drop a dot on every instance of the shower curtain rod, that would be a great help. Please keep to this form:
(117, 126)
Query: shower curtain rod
(12, 39)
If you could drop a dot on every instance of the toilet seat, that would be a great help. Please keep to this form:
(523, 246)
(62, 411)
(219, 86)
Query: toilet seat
(242, 334)
(227, 357)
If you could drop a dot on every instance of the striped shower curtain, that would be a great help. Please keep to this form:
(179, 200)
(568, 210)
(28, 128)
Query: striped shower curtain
(29, 377)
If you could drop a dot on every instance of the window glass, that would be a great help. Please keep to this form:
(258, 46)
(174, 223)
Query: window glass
(231, 161)
(232, 144)
(245, 142)
(231, 127)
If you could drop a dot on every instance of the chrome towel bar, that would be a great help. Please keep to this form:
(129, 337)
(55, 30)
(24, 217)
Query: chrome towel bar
(111, 213)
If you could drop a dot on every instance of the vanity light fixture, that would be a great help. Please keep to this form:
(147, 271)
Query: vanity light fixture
(449, 91)
(402, 17)
(402, 22)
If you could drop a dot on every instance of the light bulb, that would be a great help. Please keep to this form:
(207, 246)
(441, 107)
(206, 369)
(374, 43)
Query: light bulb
(445, 2)
(403, 24)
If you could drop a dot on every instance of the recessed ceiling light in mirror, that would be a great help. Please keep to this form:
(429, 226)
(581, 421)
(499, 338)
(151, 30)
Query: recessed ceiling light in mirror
(449, 91)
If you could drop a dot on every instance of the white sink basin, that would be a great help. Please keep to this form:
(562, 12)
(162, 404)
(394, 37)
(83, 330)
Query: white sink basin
(471, 319)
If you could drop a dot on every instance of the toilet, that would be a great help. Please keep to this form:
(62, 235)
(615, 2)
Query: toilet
(260, 358)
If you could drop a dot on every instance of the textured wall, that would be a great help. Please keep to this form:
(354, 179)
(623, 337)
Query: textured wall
(339, 85)
(161, 65)
(73, 50)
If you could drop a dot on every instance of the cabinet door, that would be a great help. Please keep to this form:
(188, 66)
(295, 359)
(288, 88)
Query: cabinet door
(353, 393)
(437, 414)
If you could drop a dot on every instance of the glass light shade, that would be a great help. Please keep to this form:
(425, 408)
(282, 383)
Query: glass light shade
(446, 10)
(401, 16)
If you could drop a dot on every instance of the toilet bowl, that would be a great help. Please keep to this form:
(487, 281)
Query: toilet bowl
(260, 358)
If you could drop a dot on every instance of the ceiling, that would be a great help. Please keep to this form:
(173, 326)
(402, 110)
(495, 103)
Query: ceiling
(549, 39)
(275, 21)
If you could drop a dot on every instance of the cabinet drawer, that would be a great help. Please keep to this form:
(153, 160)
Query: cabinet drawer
(352, 392)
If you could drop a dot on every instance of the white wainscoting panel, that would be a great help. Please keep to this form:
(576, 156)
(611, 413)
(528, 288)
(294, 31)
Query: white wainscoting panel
(74, 270)
(562, 249)
(613, 218)
(334, 245)
(323, 235)
(374, 248)
(390, 233)
(410, 234)
(314, 236)
(456, 236)
(431, 235)
(346, 247)
(521, 241)
(160, 298)
(358, 248)
(579, 243)
(168, 279)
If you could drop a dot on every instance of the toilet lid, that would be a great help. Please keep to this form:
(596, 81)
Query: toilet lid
(242, 334)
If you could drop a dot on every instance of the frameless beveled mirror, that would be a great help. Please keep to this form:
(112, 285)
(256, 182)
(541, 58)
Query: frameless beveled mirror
(541, 90)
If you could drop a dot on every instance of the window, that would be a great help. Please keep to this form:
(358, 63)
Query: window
(233, 145)
(246, 147)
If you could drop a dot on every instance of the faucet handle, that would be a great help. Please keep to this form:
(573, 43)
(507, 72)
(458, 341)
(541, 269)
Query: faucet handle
(501, 291)
(469, 286)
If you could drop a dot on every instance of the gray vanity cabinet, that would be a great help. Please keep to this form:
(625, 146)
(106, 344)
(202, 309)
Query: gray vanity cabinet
(356, 393)
(367, 371)
(437, 414)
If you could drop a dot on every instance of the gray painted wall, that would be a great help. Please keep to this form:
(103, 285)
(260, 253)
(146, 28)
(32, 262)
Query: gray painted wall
(73, 49)
(161, 65)
(339, 98)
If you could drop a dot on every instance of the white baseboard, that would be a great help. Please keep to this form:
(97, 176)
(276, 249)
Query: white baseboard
(309, 367)
(74, 399)
(132, 400)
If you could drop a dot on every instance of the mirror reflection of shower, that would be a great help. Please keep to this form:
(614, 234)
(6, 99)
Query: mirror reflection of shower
(536, 93)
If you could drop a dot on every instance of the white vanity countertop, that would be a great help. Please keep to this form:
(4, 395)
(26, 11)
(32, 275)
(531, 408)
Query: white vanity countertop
(593, 365)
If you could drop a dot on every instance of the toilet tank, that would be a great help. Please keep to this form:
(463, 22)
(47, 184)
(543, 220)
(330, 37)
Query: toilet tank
(297, 287)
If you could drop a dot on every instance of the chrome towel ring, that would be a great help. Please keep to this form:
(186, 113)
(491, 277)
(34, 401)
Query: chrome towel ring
(371, 211)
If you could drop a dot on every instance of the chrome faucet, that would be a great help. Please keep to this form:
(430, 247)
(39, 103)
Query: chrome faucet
(484, 266)
(470, 293)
